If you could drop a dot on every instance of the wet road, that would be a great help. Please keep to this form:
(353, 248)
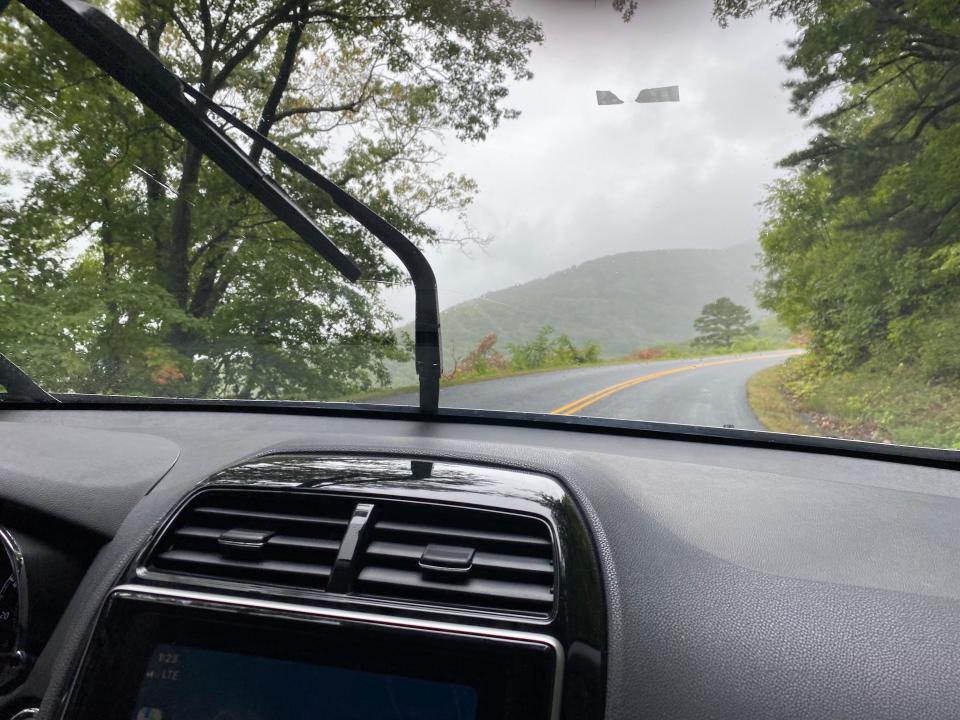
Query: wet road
(698, 391)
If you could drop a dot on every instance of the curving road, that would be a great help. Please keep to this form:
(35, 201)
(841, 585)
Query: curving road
(700, 391)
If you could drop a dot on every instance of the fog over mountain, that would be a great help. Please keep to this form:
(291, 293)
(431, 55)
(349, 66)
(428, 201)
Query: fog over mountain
(570, 180)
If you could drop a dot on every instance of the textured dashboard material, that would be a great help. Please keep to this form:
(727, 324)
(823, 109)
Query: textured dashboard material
(91, 478)
(740, 582)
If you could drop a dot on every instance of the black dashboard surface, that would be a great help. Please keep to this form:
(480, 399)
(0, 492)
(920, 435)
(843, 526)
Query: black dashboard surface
(86, 476)
(740, 582)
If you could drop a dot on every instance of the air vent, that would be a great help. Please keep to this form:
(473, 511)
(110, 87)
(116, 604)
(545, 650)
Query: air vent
(265, 537)
(454, 556)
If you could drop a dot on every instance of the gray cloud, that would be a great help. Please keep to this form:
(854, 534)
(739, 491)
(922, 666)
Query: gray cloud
(570, 180)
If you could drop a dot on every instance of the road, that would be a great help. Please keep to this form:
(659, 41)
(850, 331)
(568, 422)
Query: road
(701, 391)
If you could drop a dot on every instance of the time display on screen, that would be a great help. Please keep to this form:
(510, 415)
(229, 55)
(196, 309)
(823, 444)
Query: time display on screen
(188, 683)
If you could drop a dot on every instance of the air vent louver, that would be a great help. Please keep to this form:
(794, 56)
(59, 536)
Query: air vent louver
(265, 537)
(455, 556)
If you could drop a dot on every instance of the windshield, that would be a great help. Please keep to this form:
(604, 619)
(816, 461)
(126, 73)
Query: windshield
(716, 213)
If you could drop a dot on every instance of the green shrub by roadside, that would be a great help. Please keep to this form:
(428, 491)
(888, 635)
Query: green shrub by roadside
(881, 400)
(544, 351)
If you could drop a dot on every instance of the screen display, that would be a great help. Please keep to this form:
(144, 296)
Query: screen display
(187, 683)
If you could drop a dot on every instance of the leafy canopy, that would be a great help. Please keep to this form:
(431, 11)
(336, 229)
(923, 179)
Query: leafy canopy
(130, 264)
(862, 242)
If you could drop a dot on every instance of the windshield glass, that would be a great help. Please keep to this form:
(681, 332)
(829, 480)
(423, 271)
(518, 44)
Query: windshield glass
(718, 213)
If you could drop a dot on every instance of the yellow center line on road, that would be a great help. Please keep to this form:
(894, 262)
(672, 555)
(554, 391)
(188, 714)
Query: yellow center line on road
(588, 400)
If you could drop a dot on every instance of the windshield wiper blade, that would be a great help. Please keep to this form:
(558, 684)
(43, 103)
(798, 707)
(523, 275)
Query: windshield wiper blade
(21, 386)
(428, 357)
(125, 59)
(131, 64)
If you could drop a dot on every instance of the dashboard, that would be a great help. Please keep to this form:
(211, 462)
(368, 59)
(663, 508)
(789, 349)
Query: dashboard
(192, 564)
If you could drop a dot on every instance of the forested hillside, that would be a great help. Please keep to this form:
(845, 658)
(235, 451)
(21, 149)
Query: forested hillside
(621, 302)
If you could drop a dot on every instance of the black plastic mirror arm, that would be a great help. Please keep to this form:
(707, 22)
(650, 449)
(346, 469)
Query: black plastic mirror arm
(428, 355)
(19, 385)
(125, 59)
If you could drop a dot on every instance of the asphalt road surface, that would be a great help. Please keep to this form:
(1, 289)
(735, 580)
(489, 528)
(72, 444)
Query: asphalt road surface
(700, 391)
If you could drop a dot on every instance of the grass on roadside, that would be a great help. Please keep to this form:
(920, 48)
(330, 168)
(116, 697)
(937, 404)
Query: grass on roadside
(776, 410)
(878, 401)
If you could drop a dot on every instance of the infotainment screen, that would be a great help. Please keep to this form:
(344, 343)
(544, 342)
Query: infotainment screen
(154, 657)
(186, 683)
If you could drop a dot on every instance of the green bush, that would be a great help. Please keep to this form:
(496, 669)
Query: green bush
(548, 351)
(930, 343)
(543, 351)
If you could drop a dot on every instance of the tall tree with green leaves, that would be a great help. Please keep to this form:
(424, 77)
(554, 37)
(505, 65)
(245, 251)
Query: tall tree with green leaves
(862, 245)
(130, 263)
(721, 323)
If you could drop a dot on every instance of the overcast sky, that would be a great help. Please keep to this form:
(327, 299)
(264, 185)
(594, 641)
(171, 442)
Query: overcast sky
(570, 180)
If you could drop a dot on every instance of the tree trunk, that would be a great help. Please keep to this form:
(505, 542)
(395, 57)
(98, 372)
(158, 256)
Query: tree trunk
(211, 286)
(154, 25)
(175, 258)
(112, 357)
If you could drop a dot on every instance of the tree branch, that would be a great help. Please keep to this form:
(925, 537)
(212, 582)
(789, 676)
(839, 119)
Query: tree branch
(280, 84)
(936, 110)
(185, 31)
(222, 26)
(205, 19)
(349, 106)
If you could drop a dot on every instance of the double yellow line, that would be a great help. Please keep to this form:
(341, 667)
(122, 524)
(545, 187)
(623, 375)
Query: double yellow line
(588, 400)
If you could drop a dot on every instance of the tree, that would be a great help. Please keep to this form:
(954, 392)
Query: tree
(861, 248)
(721, 322)
(132, 264)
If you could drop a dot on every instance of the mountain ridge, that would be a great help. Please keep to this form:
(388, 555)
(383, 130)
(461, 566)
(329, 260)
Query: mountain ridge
(622, 302)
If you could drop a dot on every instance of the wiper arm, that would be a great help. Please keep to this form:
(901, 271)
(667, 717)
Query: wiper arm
(126, 60)
(426, 326)
(21, 386)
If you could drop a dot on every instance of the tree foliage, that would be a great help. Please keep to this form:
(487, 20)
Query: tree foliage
(862, 244)
(129, 263)
(721, 323)
(545, 350)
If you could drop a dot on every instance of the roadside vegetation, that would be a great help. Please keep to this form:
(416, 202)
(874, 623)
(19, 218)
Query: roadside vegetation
(548, 351)
(876, 402)
(725, 328)
(861, 246)
(721, 323)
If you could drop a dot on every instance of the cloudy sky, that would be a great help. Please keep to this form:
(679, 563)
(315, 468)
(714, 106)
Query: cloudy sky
(569, 180)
